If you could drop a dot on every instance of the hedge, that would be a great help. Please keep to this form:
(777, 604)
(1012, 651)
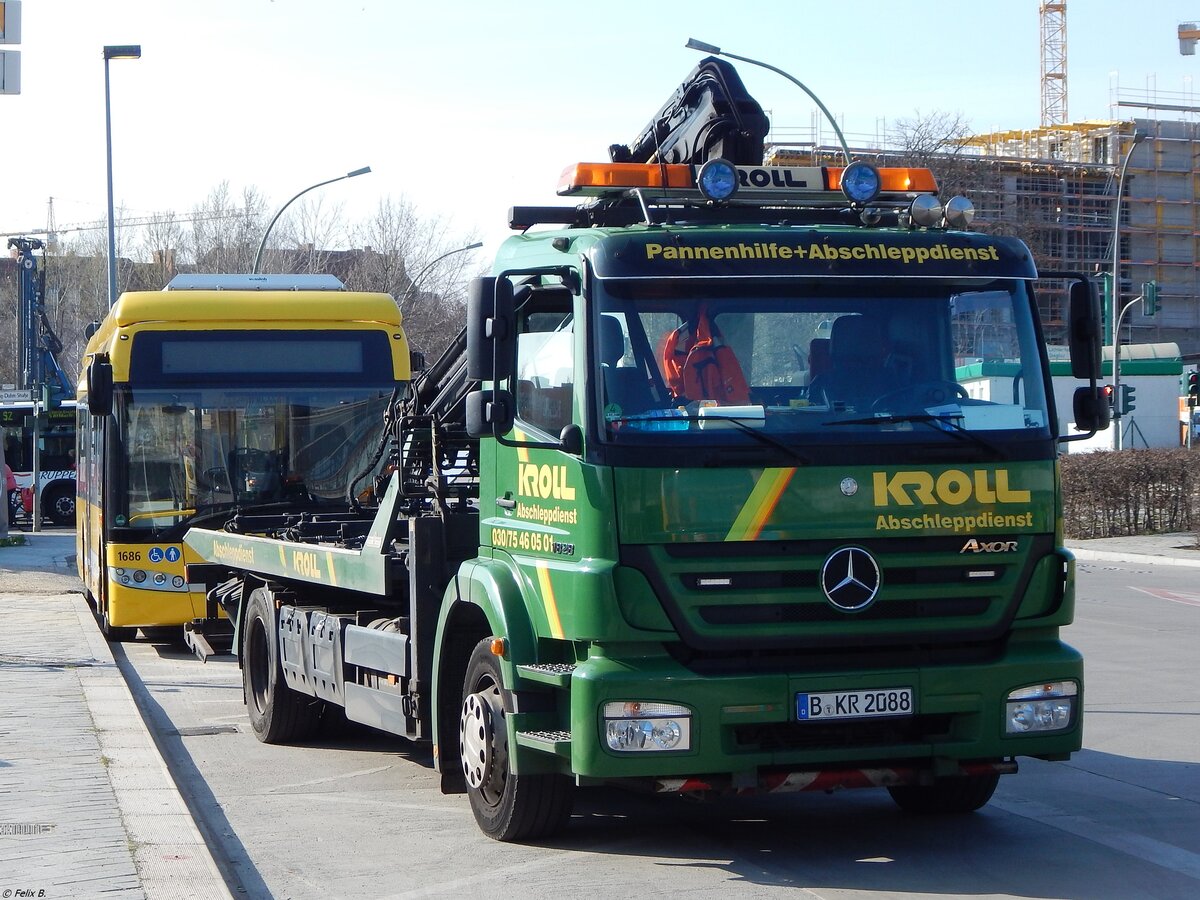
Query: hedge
(1116, 494)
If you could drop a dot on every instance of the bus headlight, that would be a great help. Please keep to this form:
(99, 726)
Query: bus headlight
(633, 726)
(1039, 708)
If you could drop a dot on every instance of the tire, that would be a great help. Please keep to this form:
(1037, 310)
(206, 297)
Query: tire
(277, 713)
(507, 807)
(58, 504)
(115, 634)
(946, 795)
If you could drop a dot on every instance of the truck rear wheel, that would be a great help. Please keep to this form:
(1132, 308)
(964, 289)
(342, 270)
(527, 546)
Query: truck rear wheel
(507, 806)
(946, 795)
(277, 713)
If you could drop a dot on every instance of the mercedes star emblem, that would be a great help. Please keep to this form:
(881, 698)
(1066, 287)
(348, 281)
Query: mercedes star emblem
(850, 579)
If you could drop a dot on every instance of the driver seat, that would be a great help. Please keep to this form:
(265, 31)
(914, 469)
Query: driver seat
(857, 374)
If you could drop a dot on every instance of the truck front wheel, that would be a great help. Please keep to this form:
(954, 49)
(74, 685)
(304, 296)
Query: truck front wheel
(946, 795)
(507, 806)
(277, 713)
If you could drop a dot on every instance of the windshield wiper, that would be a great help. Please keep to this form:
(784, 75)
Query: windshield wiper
(936, 422)
(760, 436)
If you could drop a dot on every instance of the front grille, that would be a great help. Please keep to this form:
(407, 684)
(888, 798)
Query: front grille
(734, 614)
(830, 735)
(768, 594)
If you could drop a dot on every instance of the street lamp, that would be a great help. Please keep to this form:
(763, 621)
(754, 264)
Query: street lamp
(261, 247)
(117, 51)
(694, 44)
(1117, 310)
(412, 284)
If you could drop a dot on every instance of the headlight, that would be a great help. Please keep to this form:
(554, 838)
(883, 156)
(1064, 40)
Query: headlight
(1039, 708)
(639, 726)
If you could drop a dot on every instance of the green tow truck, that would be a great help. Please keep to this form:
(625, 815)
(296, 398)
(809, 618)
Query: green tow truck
(739, 478)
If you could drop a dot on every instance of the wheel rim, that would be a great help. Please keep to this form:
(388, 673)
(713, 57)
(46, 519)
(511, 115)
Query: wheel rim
(258, 654)
(483, 743)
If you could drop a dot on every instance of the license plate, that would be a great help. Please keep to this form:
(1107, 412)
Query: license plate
(854, 704)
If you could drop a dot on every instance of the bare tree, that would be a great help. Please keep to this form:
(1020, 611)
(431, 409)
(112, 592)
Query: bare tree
(399, 245)
(226, 233)
(163, 238)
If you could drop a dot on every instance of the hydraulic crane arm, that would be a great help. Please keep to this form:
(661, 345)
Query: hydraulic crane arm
(710, 115)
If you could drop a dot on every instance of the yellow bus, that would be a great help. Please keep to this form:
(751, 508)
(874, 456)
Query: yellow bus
(216, 398)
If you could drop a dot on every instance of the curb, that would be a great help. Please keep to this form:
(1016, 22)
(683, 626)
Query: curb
(172, 858)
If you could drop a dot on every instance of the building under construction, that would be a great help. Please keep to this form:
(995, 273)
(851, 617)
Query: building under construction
(1055, 186)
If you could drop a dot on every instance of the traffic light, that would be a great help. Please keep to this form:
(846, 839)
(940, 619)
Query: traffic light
(1149, 298)
(1127, 401)
(1106, 391)
(1193, 387)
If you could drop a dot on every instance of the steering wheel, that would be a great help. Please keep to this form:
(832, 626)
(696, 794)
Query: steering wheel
(925, 393)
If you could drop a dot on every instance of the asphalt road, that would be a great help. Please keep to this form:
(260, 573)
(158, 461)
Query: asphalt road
(359, 816)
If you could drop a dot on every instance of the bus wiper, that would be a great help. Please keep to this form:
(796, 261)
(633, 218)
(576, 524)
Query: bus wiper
(760, 436)
(948, 424)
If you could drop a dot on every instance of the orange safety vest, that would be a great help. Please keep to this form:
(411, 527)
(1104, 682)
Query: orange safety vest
(701, 366)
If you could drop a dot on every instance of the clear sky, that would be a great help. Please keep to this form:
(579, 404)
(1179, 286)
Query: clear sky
(466, 108)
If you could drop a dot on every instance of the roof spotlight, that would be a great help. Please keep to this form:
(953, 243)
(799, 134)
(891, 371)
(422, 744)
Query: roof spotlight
(860, 182)
(960, 212)
(717, 179)
(926, 211)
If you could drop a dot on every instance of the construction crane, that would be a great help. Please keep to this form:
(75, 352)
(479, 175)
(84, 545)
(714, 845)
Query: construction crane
(1188, 35)
(1054, 62)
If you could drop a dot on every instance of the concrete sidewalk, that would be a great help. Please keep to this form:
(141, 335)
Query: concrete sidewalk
(87, 807)
(1180, 549)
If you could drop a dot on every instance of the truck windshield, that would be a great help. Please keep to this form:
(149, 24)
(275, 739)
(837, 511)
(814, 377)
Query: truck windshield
(183, 453)
(813, 362)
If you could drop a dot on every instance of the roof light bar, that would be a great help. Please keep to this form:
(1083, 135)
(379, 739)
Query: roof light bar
(768, 185)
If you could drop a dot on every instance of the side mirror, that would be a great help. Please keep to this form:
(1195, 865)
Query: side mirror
(1091, 409)
(100, 386)
(489, 413)
(571, 439)
(491, 331)
(1084, 331)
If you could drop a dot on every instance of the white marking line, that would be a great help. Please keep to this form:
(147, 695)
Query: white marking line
(300, 784)
(1147, 849)
(1185, 597)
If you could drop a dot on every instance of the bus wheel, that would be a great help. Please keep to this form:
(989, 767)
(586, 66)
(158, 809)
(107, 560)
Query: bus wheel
(113, 633)
(946, 795)
(507, 807)
(58, 503)
(277, 713)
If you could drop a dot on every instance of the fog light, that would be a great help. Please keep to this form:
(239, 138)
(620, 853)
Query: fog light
(647, 726)
(1041, 708)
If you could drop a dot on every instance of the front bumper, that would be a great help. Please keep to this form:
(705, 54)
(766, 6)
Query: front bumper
(745, 725)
